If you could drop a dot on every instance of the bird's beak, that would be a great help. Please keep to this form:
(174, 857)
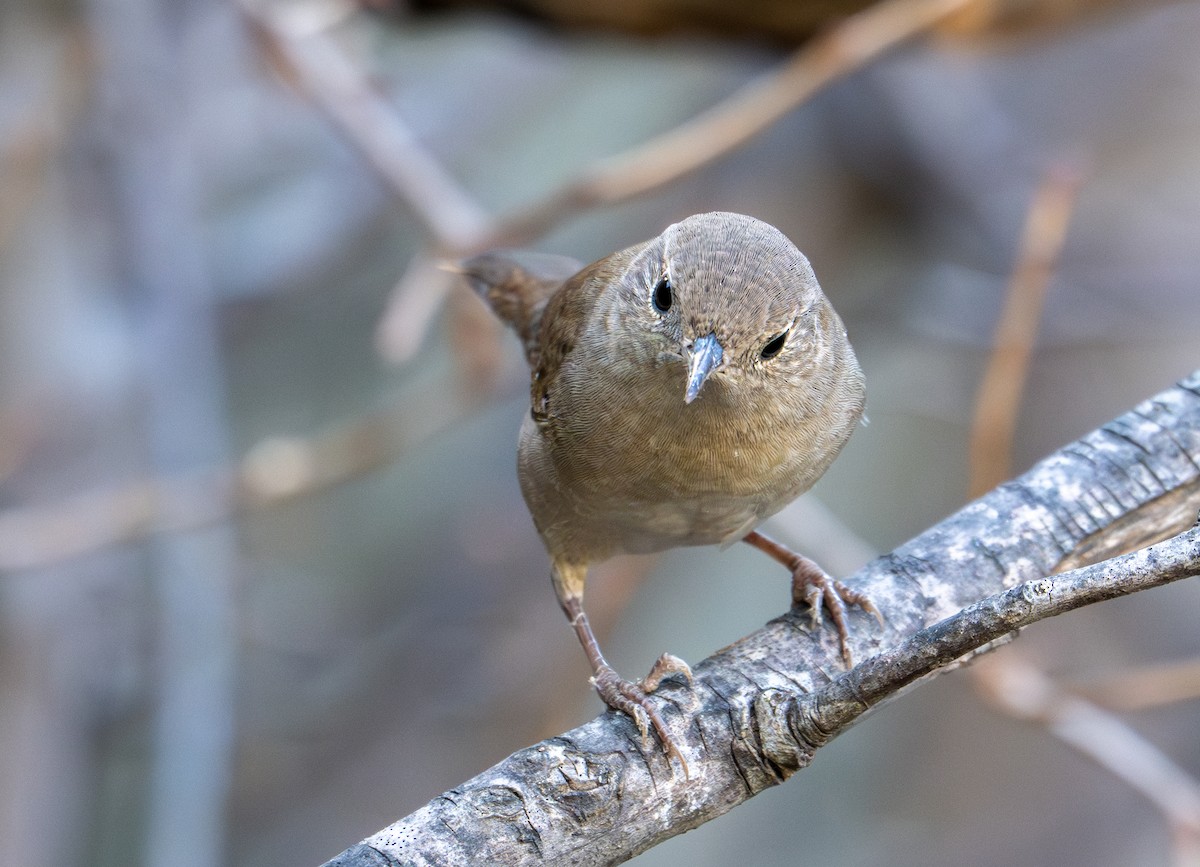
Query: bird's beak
(704, 358)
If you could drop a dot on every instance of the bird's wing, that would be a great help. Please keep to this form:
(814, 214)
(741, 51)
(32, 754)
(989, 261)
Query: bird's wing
(567, 312)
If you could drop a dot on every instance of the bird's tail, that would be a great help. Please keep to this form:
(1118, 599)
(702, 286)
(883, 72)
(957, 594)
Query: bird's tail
(517, 285)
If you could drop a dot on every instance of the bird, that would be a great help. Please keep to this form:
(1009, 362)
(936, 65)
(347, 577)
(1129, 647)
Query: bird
(682, 390)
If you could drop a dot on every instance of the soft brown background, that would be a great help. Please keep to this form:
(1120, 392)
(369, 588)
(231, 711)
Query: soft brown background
(304, 674)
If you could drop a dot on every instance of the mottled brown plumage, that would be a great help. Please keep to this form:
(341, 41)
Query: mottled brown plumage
(682, 390)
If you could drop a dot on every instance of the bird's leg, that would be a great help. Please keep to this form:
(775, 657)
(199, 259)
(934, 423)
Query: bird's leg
(813, 586)
(632, 699)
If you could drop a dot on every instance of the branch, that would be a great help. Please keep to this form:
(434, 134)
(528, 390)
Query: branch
(1012, 686)
(344, 94)
(276, 470)
(1042, 240)
(1144, 687)
(1024, 692)
(760, 708)
(850, 45)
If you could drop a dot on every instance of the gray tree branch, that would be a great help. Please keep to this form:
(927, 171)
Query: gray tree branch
(760, 709)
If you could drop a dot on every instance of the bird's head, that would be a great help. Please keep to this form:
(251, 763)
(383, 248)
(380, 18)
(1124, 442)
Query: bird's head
(732, 298)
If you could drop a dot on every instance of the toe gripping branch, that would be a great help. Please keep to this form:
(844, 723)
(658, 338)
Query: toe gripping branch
(817, 589)
(632, 699)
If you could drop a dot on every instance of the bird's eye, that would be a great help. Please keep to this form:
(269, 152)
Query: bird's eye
(774, 346)
(663, 296)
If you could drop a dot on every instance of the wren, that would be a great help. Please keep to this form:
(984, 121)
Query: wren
(683, 390)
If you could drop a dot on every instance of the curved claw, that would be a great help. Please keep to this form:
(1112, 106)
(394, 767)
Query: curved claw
(665, 666)
(633, 700)
(811, 586)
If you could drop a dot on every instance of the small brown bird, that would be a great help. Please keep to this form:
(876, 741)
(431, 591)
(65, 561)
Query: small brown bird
(683, 390)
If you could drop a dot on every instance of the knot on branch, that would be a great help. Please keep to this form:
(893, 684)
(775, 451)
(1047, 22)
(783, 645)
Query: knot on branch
(782, 748)
(1037, 592)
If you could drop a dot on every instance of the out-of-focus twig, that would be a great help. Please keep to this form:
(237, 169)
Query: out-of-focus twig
(999, 395)
(731, 123)
(414, 302)
(809, 525)
(20, 428)
(1018, 688)
(29, 145)
(324, 72)
(1146, 687)
(458, 226)
(1022, 691)
(144, 98)
(278, 469)
(454, 221)
(23, 161)
(770, 20)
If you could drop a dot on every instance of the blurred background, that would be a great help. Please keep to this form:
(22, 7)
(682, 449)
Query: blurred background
(268, 582)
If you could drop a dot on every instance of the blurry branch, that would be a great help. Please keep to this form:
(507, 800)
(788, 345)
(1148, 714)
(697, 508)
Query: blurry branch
(453, 220)
(999, 400)
(731, 123)
(28, 147)
(144, 99)
(458, 226)
(413, 304)
(760, 708)
(20, 428)
(1025, 692)
(275, 471)
(1145, 687)
(341, 90)
(24, 157)
(778, 22)
(1018, 688)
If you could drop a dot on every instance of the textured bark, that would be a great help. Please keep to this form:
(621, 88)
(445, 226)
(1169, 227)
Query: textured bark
(760, 708)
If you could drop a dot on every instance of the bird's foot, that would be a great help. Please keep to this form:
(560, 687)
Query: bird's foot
(633, 699)
(820, 591)
(812, 586)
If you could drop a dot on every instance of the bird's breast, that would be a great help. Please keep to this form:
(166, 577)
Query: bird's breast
(622, 463)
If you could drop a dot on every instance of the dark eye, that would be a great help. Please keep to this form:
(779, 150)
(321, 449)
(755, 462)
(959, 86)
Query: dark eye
(774, 346)
(663, 297)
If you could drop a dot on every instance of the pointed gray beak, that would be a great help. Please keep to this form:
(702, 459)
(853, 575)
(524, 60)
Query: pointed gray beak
(706, 355)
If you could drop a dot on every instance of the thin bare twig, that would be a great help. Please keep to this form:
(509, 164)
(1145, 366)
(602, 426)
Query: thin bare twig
(31, 143)
(324, 72)
(1025, 692)
(459, 226)
(412, 306)
(24, 158)
(998, 404)
(731, 123)
(21, 425)
(1145, 687)
(277, 470)
(1019, 688)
